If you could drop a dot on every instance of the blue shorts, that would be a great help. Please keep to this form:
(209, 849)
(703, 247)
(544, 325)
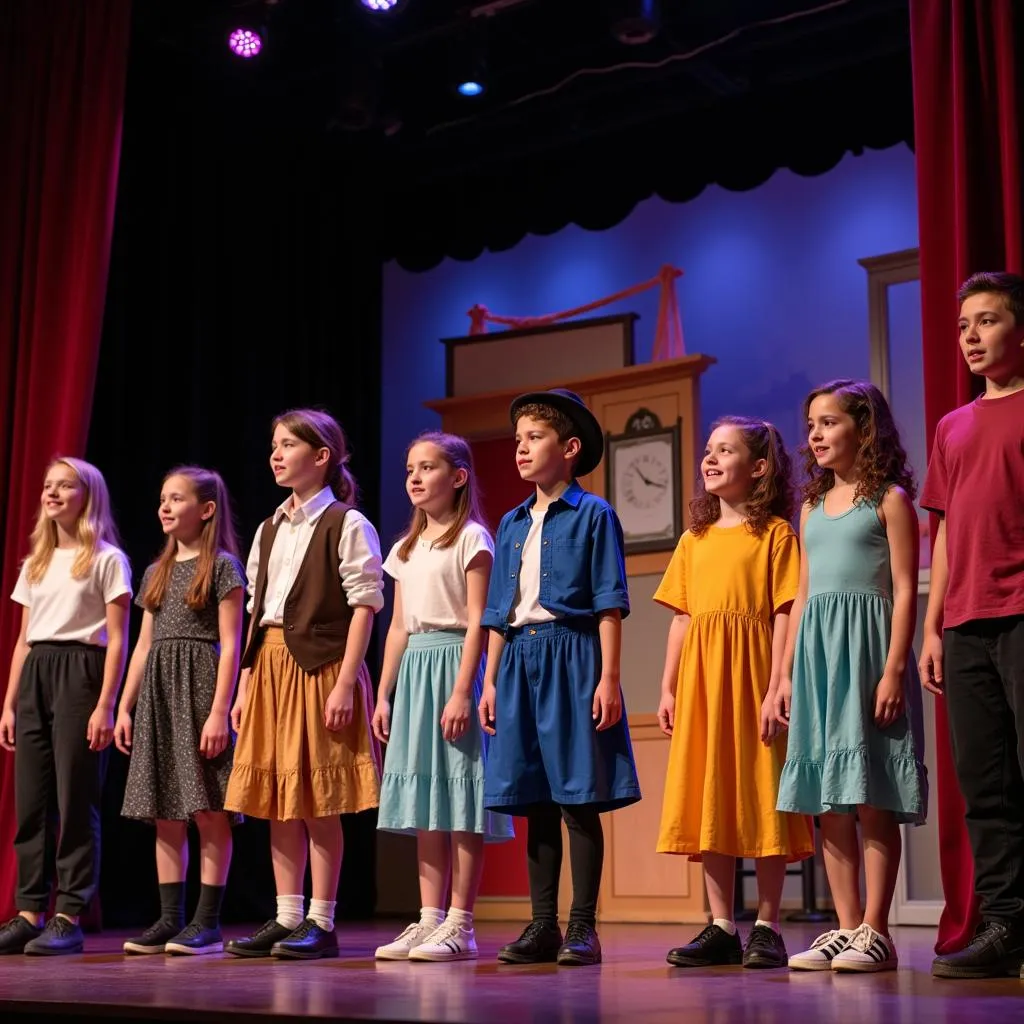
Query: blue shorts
(547, 748)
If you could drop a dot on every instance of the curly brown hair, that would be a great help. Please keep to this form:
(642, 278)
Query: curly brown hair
(772, 493)
(881, 459)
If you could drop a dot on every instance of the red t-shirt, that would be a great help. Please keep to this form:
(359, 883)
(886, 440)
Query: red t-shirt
(976, 479)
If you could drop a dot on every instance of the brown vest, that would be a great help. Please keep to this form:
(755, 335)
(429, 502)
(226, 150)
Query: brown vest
(316, 613)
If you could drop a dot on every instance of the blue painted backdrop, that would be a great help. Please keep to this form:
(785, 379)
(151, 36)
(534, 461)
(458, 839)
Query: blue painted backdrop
(772, 289)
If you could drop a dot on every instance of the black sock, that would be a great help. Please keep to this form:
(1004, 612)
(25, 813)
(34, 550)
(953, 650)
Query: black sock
(172, 902)
(208, 908)
(544, 860)
(586, 859)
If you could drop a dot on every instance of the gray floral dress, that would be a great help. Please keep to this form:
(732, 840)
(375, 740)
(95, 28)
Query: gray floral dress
(168, 778)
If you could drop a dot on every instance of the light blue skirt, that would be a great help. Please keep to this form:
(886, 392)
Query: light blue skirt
(430, 784)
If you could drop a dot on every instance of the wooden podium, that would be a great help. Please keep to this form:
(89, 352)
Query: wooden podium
(638, 885)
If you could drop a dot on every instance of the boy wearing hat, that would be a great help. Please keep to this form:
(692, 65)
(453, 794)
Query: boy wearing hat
(551, 697)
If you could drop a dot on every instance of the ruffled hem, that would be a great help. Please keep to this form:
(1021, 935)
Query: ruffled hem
(847, 779)
(294, 794)
(434, 803)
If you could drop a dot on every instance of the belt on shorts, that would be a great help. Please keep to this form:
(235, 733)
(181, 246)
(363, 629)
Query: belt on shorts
(577, 624)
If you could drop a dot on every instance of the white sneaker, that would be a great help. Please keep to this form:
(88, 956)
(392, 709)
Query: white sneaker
(409, 939)
(867, 951)
(823, 951)
(450, 941)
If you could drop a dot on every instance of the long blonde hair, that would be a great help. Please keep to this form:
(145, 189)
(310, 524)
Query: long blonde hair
(321, 430)
(95, 524)
(457, 453)
(218, 535)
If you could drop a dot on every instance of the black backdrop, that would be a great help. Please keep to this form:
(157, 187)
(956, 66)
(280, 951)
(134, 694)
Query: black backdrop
(244, 280)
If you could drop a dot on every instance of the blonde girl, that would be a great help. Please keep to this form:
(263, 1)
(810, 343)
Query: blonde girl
(58, 713)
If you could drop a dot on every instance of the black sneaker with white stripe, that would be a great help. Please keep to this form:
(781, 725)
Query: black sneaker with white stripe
(824, 949)
(866, 952)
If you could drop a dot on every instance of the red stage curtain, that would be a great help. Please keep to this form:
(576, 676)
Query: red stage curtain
(967, 143)
(62, 78)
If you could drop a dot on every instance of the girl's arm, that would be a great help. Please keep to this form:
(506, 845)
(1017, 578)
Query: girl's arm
(18, 656)
(931, 646)
(780, 634)
(670, 673)
(900, 521)
(784, 687)
(456, 714)
(486, 709)
(130, 693)
(338, 709)
(216, 734)
(394, 647)
(100, 730)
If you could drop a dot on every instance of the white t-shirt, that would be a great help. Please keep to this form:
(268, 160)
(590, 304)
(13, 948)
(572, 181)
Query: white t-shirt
(528, 607)
(434, 591)
(63, 608)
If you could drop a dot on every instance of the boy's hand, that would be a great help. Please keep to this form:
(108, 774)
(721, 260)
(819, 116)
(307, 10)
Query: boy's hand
(485, 709)
(607, 703)
(7, 729)
(100, 731)
(888, 700)
(930, 665)
(667, 713)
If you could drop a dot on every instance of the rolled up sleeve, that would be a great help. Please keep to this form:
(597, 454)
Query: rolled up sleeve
(359, 563)
(608, 564)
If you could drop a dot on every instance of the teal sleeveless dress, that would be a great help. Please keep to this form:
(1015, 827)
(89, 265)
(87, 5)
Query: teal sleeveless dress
(837, 757)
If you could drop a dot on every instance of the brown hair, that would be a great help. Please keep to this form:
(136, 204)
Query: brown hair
(95, 524)
(457, 453)
(881, 460)
(771, 495)
(554, 418)
(321, 430)
(218, 535)
(1010, 286)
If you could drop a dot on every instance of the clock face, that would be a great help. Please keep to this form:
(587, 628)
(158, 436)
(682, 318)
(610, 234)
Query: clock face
(644, 488)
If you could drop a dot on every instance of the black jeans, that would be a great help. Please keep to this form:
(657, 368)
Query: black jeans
(983, 664)
(57, 778)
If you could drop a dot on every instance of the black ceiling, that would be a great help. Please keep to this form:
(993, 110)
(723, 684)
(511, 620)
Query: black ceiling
(575, 125)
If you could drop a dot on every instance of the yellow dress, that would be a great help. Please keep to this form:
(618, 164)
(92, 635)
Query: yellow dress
(722, 781)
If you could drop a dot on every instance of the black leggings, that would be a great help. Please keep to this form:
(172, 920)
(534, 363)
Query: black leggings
(544, 859)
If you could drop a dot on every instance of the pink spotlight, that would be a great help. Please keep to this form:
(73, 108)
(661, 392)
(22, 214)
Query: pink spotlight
(245, 43)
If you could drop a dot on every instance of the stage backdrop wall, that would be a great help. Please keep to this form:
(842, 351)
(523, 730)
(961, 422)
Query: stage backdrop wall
(772, 289)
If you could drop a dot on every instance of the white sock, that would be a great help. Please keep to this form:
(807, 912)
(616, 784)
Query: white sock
(433, 916)
(321, 913)
(725, 924)
(774, 925)
(463, 918)
(290, 910)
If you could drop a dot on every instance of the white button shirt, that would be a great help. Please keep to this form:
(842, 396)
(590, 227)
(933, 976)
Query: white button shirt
(359, 560)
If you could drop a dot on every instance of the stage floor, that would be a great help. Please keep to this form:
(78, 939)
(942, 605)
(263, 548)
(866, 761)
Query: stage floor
(634, 983)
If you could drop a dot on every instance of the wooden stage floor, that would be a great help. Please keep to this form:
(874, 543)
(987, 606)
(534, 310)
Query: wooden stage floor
(633, 984)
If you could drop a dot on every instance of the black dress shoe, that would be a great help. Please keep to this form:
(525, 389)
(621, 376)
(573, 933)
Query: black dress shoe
(765, 948)
(996, 951)
(16, 934)
(58, 938)
(714, 947)
(539, 944)
(261, 942)
(308, 942)
(581, 947)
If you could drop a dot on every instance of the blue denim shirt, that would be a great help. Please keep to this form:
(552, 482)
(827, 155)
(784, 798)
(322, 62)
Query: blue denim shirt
(582, 567)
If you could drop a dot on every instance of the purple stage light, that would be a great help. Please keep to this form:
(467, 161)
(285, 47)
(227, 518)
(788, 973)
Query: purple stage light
(379, 5)
(245, 43)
